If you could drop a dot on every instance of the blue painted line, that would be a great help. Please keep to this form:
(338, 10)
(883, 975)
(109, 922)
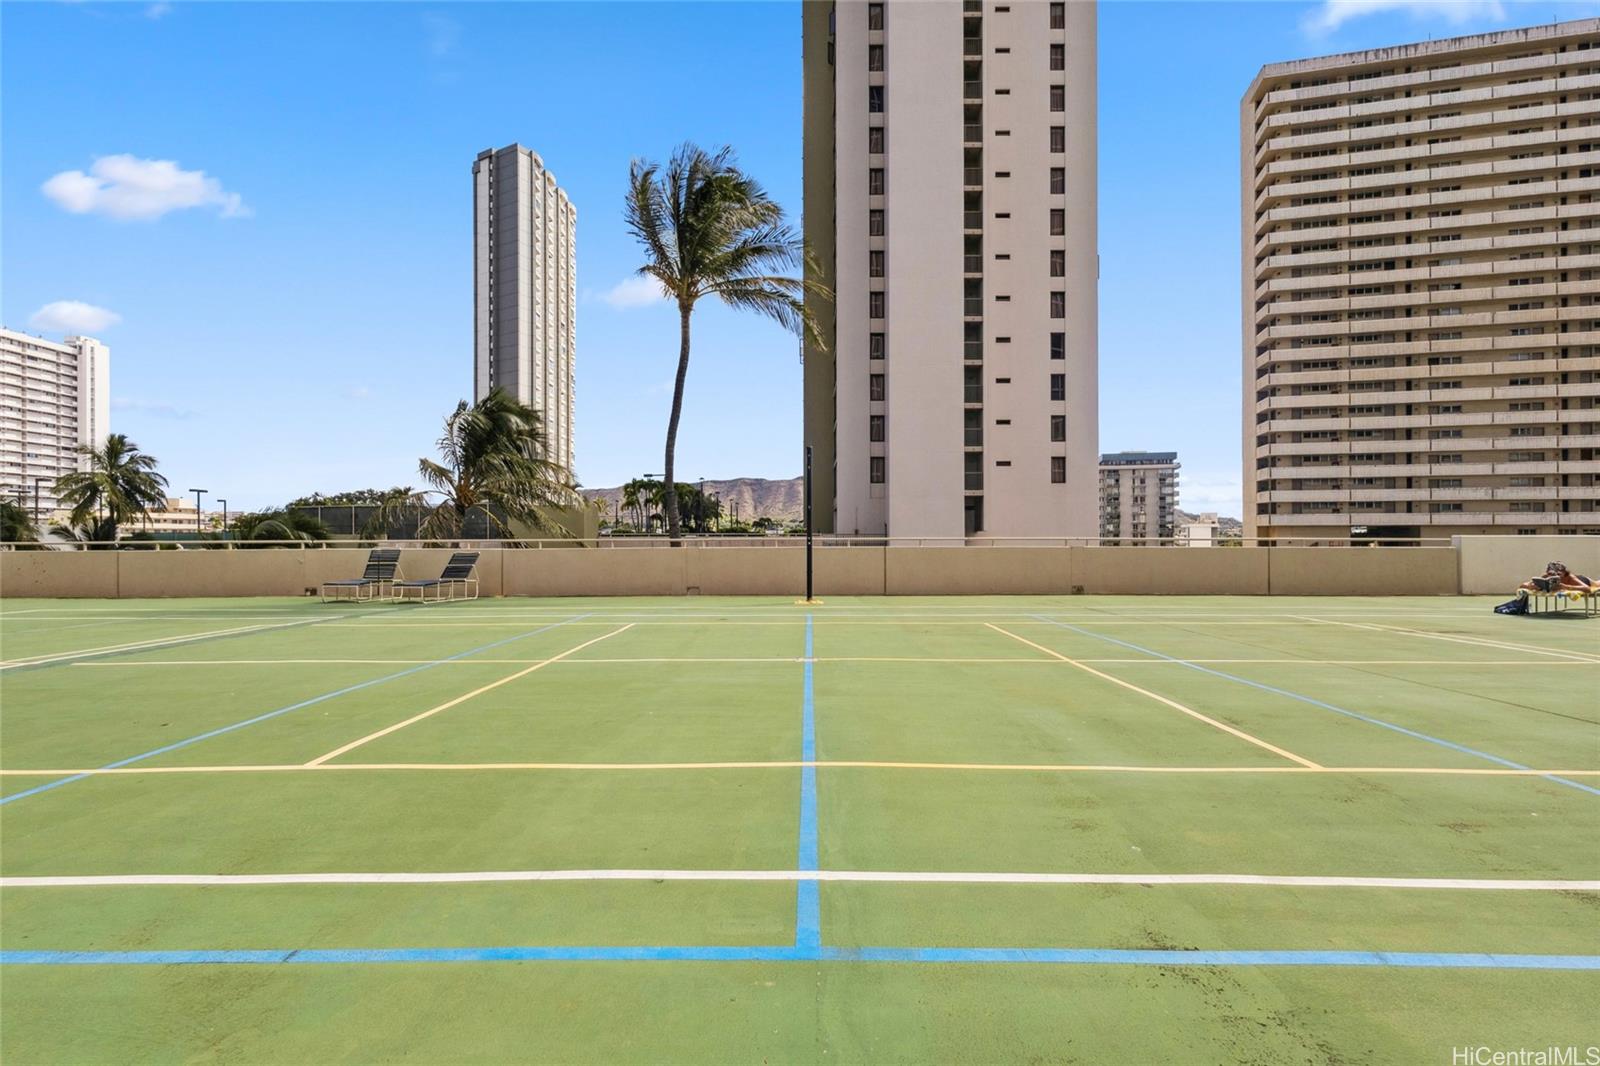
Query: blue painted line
(1004, 956)
(1474, 752)
(808, 900)
(282, 710)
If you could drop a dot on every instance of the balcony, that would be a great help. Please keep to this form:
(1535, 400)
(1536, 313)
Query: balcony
(972, 133)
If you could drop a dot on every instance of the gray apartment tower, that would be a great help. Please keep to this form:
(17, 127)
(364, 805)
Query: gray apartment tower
(524, 289)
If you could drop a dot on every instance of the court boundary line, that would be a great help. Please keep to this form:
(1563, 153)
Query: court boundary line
(1415, 734)
(1007, 660)
(794, 764)
(120, 763)
(154, 643)
(1004, 956)
(1174, 704)
(807, 876)
(1482, 642)
(808, 897)
(370, 737)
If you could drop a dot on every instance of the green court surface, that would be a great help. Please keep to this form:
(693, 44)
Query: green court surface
(1061, 829)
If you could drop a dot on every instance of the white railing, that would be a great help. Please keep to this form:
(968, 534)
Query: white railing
(705, 541)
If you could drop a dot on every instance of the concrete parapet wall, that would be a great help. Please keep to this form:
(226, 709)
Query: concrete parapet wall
(1492, 565)
(1475, 565)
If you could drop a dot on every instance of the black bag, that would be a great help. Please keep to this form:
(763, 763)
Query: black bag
(1516, 606)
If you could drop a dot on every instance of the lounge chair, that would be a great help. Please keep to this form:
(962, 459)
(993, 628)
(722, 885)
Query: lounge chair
(458, 581)
(383, 566)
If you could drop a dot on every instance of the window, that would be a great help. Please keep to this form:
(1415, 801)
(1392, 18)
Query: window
(875, 428)
(874, 264)
(1058, 138)
(972, 341)
(972, 466)
(1058, 305)
(875, 222)
(1058, 98)
(1058, 427)
(1058, 345)
(1058, 386)
(876, 468)
(875, 99)
(1058, 469)
(875, 181)
(1058, 179)
(1058, 263)
(875, 305)
(874, 16)
(876, 346)
(1058, 16)
(1058, 57)
(875, 386)
(1058, 222)
(875, 140)
(874, 57)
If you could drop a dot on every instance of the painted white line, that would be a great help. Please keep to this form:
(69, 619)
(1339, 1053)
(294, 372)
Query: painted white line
(1010, 660)
(832, 876)
(1458, 639)
(796, 764)
(336, 752)
(1174, 704)
(142, 645)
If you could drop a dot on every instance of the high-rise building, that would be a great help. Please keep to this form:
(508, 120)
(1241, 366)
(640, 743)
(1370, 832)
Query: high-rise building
(1421, 273)
(53, 398)
(525, 276)
(950, 203)
(1138, 495)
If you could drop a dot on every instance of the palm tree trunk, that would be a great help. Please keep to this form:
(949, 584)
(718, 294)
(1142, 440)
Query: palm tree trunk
(669, 495)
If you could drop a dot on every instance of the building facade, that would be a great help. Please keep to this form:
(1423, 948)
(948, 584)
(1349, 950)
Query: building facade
(525, 276)
(1138, 496)
(950, 204)
(54, 396)
(1421, 271)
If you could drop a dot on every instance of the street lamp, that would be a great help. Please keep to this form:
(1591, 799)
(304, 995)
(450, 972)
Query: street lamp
(197, 494)
(36, 516)
(224, 517)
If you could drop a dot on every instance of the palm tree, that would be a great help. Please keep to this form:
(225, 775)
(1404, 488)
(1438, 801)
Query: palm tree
(709, 229)
(120, 485)
(493, 462)
(16, 524)
(287, 524)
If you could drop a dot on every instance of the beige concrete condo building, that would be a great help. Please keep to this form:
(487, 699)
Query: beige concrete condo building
(1421, 256)
(525, 276)
(1138, 495)
(950, 202)
(53, 397)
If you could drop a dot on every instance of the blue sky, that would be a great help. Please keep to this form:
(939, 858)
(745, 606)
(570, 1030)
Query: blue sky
(292, 298)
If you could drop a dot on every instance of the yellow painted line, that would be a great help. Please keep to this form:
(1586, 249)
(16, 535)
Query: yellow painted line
(462, 699)
(1174, 704)
(829, 764)
(1483, 642)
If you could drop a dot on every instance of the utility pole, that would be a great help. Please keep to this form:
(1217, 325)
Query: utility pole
(197, 494)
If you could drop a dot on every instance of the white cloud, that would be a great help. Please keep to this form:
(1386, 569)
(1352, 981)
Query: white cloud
(1329, 15)
(153, 408)
(160, 9)
(126, 187)
(73, 316)
(443, 34)
(640, 291)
